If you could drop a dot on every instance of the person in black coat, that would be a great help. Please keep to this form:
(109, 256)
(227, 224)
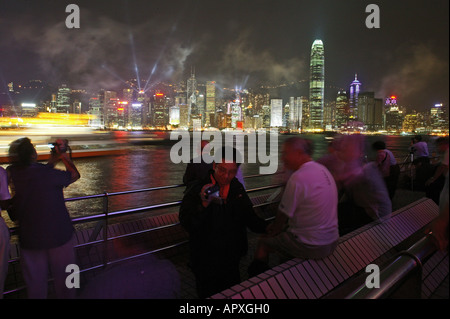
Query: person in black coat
(217, 224)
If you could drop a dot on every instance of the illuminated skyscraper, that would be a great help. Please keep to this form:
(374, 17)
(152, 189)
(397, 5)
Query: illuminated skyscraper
(316, 85)
(210, 103)
(393, 115)
(370, 111)
(191, 97)
(276, 112)
(63, 99)
(342, 110)
(355, 88)
(295, 113)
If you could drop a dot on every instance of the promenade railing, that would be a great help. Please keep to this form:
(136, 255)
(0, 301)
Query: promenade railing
(102, 221)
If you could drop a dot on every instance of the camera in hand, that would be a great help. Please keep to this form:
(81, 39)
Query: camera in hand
(211, 190)
(61, 145)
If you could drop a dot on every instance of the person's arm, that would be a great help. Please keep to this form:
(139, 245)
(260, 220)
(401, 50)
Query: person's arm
(439, 227)
(70, 167)
(440, 170)
(278, 225)
(67, 161)
(254, 222)
(193, 209)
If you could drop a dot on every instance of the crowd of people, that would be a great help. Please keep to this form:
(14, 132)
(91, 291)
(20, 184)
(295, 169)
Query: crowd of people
(322, 200)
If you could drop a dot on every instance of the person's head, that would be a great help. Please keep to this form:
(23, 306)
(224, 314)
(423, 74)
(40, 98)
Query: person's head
(296, 151)
(442, 144)
(379, 145)
(417, 138)
(226, 169)
(351, 148)
(22, 152)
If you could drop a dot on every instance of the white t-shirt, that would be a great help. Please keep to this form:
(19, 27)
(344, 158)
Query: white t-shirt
(310, 201)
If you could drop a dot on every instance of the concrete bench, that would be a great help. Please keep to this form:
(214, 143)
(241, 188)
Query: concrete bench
(313, 279)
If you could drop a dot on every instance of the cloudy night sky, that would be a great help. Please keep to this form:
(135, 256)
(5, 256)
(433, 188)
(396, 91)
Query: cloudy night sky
(236, 43)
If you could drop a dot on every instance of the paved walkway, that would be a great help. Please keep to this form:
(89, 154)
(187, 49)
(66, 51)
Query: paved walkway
(178, 255)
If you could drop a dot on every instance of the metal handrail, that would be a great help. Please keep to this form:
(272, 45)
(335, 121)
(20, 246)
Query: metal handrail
(106, 214)
(398, 271)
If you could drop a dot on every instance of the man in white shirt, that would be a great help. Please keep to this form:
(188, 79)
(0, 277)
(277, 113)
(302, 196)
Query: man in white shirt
(308, 208)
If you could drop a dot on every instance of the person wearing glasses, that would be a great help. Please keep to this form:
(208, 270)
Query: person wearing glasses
(216, 213)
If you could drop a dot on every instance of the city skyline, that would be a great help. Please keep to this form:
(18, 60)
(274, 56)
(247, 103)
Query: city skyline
(237, 45)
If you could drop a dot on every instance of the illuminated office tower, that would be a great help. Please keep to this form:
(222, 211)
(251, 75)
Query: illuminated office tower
(265, 115)
(184, 123)
(438, 117)
(316, 85)
(299, 113)
(342, 110)
(370, 111)
(236, 113)
(393, 120)
(286, 115)
(96, 110)
(174, 115)
(53, 104)
(201, 107)
(191, 96)
(304, 121)
(329, 114)
(160, 111)
(355, 88)
(127, 96)
(210, 103)
(63, 99)
(276, 112)
(109, 107)
(293, 113)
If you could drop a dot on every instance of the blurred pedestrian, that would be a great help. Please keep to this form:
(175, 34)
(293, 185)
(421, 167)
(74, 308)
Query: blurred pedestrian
(387, 164)
(46, 232)
(364, 195)
(440, 226)
(435, 184)
(306, 224)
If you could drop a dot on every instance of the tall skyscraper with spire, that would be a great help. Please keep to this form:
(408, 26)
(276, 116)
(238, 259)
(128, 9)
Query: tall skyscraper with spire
(191, 96)
(316, 85)
(355, 88)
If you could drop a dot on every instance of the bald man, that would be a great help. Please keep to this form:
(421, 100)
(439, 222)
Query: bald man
(306, 224)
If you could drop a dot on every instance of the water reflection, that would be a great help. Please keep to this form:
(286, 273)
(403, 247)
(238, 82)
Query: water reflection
(146, 166)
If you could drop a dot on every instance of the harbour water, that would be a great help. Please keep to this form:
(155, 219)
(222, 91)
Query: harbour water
(146, 166)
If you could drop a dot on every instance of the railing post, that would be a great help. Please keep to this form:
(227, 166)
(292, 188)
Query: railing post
(105, 228)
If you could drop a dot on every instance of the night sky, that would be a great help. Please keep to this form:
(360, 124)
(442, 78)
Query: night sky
(237, 43)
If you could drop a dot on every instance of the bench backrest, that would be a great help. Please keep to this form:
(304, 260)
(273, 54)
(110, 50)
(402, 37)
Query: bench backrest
(312, 279)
